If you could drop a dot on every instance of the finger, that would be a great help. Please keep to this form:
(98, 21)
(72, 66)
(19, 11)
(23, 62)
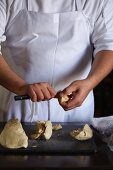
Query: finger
(59, 97)
(70, 89)
(74, 102)
(46, 93)
(57, 94)
(64, 98)
(38, 92)
(32, 94)
(51, 91)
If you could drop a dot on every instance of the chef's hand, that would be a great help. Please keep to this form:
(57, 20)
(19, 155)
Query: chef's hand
(40, 91)
(79, 90)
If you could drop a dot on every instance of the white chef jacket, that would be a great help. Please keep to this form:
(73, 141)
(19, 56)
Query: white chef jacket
(98, 16)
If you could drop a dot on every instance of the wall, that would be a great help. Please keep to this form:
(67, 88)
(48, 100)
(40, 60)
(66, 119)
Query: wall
(104, 97)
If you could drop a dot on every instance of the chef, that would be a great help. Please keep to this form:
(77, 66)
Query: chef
(46, 52)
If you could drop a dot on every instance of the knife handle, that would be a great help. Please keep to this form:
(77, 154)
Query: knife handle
(21, 97)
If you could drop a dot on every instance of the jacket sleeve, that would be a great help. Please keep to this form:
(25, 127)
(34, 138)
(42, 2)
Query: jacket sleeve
(2, 21)
(102, 36)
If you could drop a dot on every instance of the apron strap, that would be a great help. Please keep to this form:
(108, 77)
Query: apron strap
(78, 5)
(25, 4)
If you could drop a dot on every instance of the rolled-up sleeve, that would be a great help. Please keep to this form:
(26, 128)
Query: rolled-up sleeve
(2, 21)
(102, 36)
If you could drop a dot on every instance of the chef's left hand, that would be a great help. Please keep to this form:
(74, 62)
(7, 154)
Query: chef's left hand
(79, 90)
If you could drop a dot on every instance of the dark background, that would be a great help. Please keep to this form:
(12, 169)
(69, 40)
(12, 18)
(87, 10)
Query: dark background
(103, 94)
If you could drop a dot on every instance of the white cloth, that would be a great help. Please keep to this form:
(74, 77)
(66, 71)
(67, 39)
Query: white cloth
(40, 35)
(104, 126)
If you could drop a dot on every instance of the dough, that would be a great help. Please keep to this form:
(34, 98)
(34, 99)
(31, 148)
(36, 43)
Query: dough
(57, 127)
(82, 134)
(63, 99)
(43, 129)
(13, 135)
(48, 130)
(40, 128)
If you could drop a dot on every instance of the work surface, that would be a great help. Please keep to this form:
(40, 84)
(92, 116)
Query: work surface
(60, 152)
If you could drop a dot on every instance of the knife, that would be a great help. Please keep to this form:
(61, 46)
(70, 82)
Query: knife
(25, 97)
(21, 97)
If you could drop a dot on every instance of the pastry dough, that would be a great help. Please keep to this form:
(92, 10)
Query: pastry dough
(57, 127)
(43, 129)
(13, 135)
(82, 134)
(63, 99)
(48, 130)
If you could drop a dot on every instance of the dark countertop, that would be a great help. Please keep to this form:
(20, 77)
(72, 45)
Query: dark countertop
(102, 159)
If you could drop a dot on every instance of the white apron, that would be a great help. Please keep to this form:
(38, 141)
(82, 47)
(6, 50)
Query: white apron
(47, 47)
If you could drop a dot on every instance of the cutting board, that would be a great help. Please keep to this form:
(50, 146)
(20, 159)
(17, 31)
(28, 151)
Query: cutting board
(60, 143)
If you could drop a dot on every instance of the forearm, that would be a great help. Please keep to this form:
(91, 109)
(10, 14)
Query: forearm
(10, 79)
(101, 67)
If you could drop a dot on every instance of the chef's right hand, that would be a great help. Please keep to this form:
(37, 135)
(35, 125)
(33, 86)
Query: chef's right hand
(40, 91)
